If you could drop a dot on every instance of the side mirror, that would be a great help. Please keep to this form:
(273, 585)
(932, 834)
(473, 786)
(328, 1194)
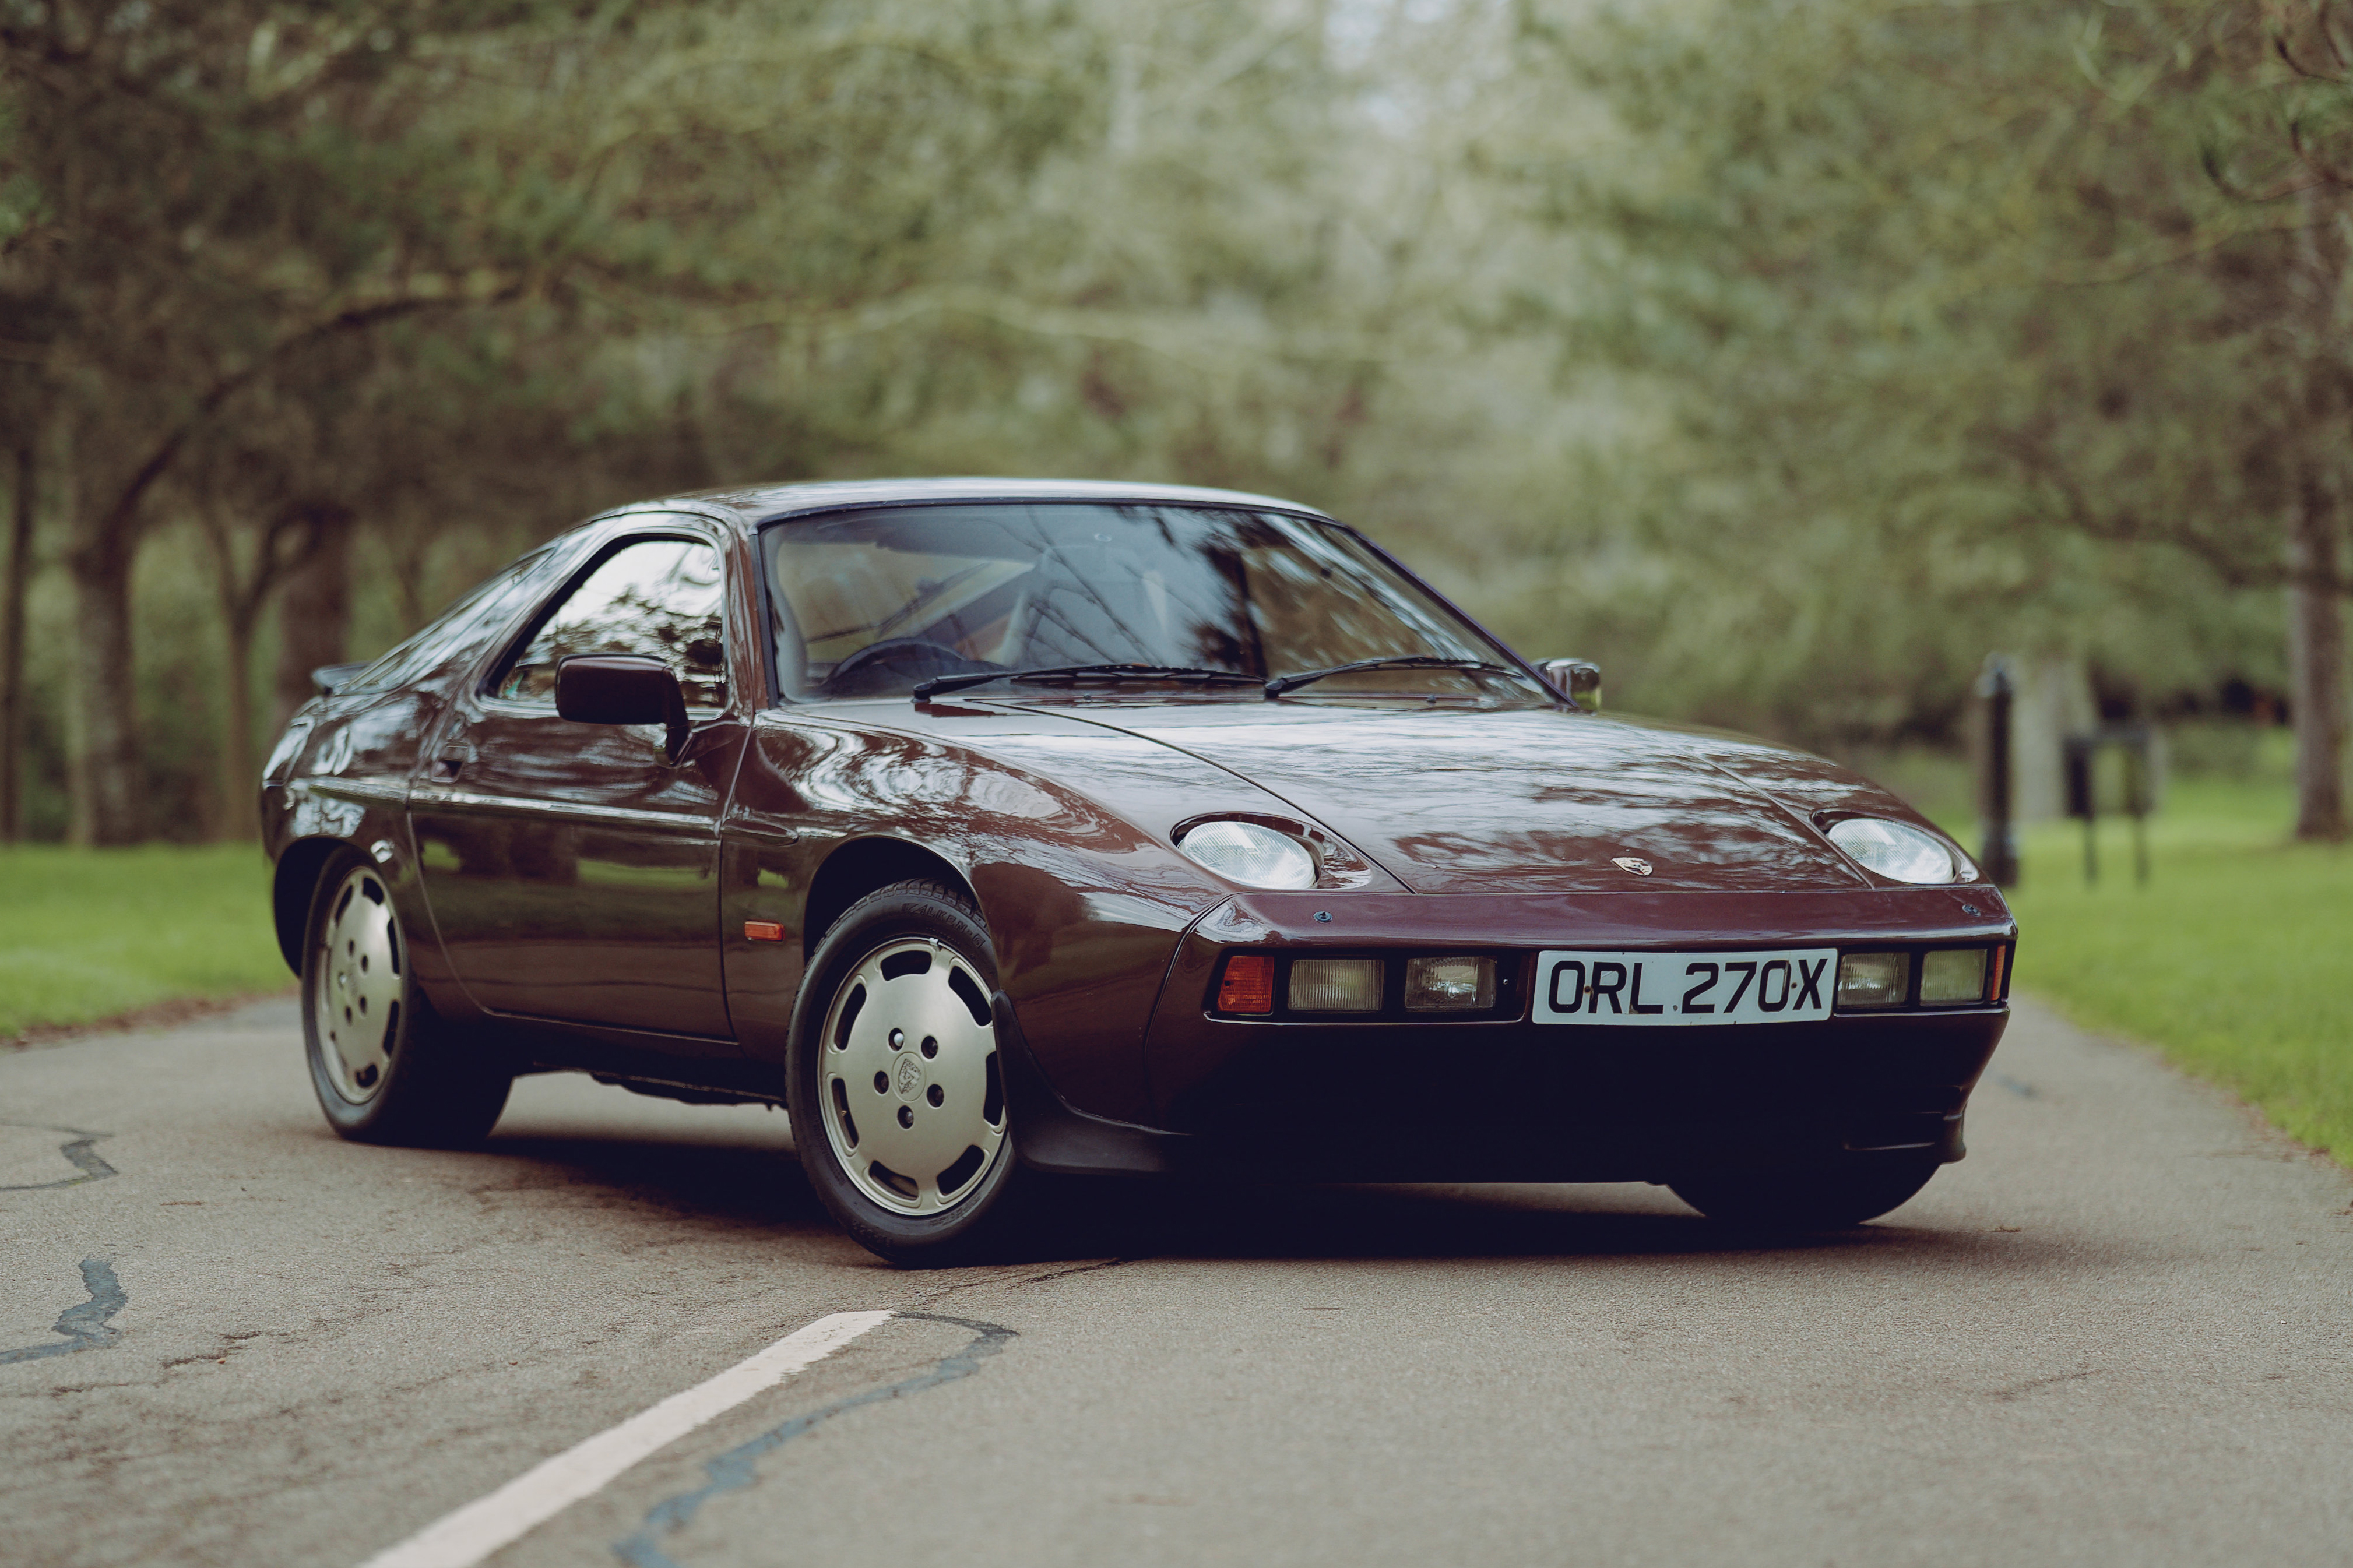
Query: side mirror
(1581, 679)
(330, 678)
(621, 689)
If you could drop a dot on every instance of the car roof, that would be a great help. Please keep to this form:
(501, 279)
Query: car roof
(757, 504)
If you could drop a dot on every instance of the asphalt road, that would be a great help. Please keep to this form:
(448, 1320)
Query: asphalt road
(2122, 1330)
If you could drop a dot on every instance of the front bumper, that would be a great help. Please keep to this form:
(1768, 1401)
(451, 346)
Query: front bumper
(1525, 1102)
(1507, 1099)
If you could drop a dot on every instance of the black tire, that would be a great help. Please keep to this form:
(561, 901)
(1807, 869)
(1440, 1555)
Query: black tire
(987, 1216)
(385, 1066)
(1830, 1199)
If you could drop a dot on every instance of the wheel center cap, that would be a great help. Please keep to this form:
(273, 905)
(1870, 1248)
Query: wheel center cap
(910, 1080)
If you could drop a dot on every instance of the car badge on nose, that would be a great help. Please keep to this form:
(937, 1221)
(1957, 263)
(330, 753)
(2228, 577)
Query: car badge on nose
(1630, 863)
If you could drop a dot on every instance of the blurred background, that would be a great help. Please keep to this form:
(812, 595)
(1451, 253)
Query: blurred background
(1786, 359)
(1801, 361)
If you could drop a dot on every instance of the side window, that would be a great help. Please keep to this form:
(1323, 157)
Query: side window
(664, 598)
(465, 627)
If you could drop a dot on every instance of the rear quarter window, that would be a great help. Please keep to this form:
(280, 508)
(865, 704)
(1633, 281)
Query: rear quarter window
(462, 630)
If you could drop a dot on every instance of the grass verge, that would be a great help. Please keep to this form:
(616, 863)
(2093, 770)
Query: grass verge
(87, 934)
(2233, 959)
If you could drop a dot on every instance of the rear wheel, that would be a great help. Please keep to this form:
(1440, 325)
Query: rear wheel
(1804, 1200)
(897, 1095)
(385, 1065)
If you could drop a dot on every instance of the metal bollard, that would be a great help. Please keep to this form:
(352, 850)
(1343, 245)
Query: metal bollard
(2000, 856)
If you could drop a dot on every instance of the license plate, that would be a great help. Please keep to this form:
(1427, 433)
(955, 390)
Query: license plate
(1780, 986)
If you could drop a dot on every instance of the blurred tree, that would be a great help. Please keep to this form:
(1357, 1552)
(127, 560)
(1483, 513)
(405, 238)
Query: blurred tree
(203, 198)
(195, 203)
(1917, 291)
(2223, 154)
(1787, 355)
(23, 493)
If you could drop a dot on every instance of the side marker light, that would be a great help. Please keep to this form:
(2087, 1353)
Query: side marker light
(763, 931)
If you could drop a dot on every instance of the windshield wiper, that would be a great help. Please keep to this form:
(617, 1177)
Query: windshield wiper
(1075, 673)
(1282, 683)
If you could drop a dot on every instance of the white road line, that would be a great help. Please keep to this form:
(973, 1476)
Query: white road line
(474, 1532)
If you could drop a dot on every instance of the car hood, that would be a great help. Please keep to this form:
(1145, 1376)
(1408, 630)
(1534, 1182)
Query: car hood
(1476, 801)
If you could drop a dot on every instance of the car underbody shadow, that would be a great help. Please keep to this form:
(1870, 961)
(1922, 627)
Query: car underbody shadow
(1135, 1220)
(739, 1173)
(739, 1183)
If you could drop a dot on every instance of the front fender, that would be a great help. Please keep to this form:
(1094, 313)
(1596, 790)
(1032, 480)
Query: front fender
(1085, 908)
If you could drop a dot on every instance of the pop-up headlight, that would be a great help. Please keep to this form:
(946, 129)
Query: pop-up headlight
(1247, 853)
(1897, 850)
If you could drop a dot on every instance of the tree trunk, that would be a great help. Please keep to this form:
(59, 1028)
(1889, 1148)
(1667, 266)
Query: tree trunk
(239, 788)
(11, 643)
(2315, 659)
(314, 612)
(107, 786)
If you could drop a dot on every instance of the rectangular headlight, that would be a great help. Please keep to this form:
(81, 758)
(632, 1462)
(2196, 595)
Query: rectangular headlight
(1874, 979)
(1336, 986)
(1449, 985)
(1956, 974)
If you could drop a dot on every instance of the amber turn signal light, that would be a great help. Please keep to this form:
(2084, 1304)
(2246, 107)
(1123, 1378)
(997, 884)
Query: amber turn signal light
(763, 931)
(1248, 984)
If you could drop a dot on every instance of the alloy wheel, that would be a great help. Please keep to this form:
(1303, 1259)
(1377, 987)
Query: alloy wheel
(912, 1101)
(356, 993)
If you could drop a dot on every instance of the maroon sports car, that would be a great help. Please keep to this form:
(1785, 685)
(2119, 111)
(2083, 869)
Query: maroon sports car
(1008, 829)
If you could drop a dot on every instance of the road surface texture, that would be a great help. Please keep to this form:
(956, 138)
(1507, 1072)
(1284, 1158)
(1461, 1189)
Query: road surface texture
(2122, 1332)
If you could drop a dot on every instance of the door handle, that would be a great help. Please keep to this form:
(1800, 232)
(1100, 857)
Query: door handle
(451, 759)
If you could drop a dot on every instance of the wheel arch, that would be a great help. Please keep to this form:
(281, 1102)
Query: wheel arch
(291, 889)
(861, 865)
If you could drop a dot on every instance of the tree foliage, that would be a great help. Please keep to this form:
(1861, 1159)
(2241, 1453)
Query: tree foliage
(1787, 354)
(1941, 299)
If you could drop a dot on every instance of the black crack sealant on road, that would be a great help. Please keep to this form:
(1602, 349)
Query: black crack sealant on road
(85, 1327)
(739, 1467)
(78, 1153)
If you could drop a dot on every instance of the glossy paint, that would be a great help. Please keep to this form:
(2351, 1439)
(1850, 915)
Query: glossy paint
(589, 899)
(1466, 799)
(543, 826)
(1078, 880)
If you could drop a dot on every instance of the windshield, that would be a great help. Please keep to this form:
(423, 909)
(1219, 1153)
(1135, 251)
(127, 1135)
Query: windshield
(868, 603)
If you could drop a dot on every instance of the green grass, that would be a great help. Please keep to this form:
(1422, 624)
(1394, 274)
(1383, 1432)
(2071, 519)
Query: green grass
(2235, 960)
(88, 933)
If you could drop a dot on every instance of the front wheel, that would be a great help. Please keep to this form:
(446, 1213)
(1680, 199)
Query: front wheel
(895, 1087)
(1804, 1200)
(386, 1068)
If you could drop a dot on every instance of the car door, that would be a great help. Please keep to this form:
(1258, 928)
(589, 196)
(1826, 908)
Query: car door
(572, 868)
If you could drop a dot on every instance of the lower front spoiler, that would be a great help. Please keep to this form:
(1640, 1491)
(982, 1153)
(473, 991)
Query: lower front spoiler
(1652, 1124)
